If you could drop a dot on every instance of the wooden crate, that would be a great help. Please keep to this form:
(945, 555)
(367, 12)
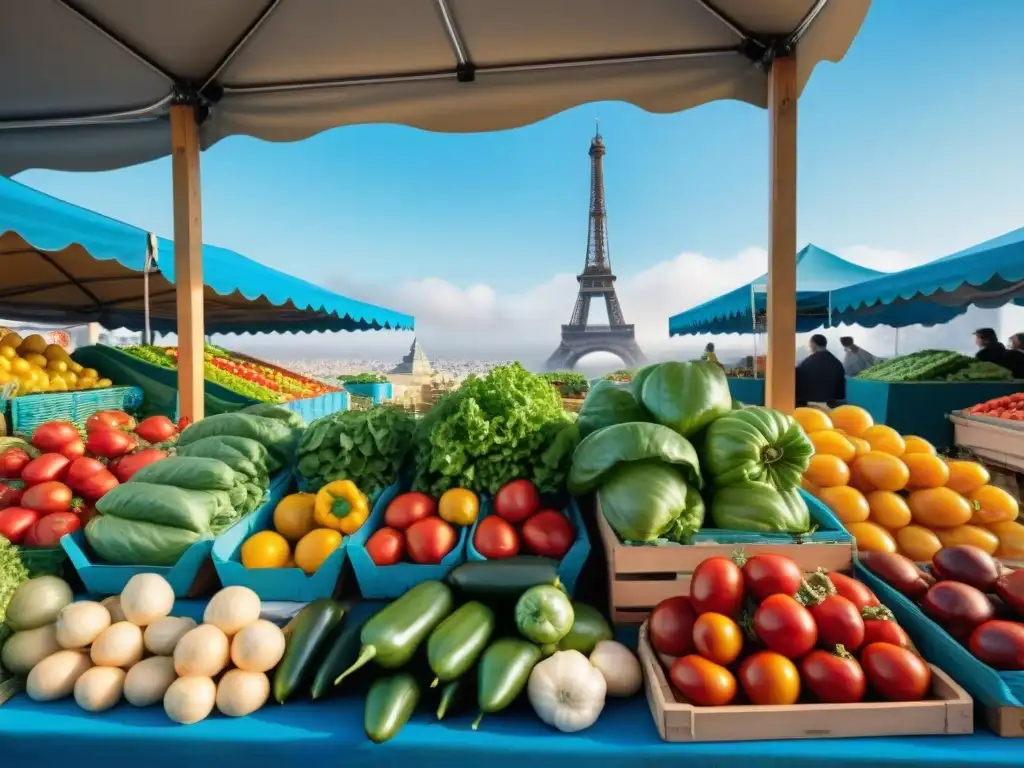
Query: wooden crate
(641, 577)
(1008, 722)
(951, 711)
(990, 440)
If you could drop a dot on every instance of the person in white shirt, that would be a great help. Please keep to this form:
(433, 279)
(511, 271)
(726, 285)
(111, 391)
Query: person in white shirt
(856, 359)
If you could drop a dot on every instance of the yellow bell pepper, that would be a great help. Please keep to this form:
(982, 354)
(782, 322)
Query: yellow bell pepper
(341, 506)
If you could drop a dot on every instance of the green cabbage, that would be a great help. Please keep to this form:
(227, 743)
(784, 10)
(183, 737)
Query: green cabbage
(607, 403)
(760, 508)
(687, 397)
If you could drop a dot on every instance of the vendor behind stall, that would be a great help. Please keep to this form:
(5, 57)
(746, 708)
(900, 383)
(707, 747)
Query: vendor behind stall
(820, 377)
(856, 359)
(1017, 342)
(991, 350)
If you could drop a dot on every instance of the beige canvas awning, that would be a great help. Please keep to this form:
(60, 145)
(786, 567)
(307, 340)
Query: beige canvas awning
(286, 69)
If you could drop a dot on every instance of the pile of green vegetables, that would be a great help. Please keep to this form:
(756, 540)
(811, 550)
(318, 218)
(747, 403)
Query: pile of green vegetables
(667, 448)
(927, 365)
(368, 447)
(981, 371)
(472, 639)
(568, 383)
(507, 425)
(363, 378)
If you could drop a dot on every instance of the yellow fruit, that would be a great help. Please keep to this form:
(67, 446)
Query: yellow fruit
(266, 549)
(293, 516)
(939, 508)
(827, 471)
(860, 445)
(11, 339)
(34, 344)
(8, 352)
(58, 385)
(926, 470)
(966, 476)
(6, 377)
(871, 537)
(885, 439)
(75, 367)
(89, 373)
(1011, 540)
(5, 364)
(881, 472)
(889, 510)
(102, 383)
(20, 366)
(315, 547)
(56, 352)
(811, 419)
(72, 378)
(831, 443)
(848, 504)
(918, 543)
(974, 535)
(58, 366)
(992, 505)
(852, 419)
(917, 444)
(810, 487)
(458, 506)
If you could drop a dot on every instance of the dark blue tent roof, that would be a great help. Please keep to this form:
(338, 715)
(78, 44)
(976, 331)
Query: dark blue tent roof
(817, 273)
(63, 263)
(987, 275)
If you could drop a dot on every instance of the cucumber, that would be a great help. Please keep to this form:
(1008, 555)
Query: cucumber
(342, 651)
(458, 641)
(389, 705)
(308, 632)
(504, 578)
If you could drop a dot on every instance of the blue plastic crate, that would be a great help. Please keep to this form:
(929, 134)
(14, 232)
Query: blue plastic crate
(29, 411)
(988, 686)
(384, 582)
(313, 408)
(106, 579)
(376, 392)
(288, 584)
(572, 564)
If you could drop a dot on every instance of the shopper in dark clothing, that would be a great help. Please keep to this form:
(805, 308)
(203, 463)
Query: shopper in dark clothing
(820, 377)
(991, 350)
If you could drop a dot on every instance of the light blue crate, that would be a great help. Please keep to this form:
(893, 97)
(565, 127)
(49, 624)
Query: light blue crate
(287, 584)
(378, 392)
(106, 579)
(378, 582)
(572, 564)
(29, 411)
(312, 408)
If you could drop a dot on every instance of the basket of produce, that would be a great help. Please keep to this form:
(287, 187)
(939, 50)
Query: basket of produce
(406, 541)
(293, 548)
(970, 621)
(374, 386)
(763, 652)
(516, 521)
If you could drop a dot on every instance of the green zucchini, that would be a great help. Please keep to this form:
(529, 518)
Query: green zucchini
(392, 636)
(306, 636)
(458, 641)
(342, 651)
(504, 578)
(503, 673)
(390, 703)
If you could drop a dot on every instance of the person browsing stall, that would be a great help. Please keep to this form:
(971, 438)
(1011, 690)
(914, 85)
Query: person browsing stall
(991, 350)
(820, 378)
(855, 359)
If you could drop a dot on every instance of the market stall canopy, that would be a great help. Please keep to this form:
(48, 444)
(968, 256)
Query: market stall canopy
(284, 70)
(986, 275)
(817, 273)
(63, 264)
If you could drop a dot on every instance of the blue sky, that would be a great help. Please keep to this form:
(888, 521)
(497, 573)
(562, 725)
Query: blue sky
(911, 145)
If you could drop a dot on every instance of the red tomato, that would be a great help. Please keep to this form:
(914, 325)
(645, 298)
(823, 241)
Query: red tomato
(46, 468)
(703, 682)
(429, 540)
(110, 443)
(765, 575)
(670, 626)
(109, 420)
(48, 497)
(126, 466)
(15, 522)
(895, 673)
(409, 508)
(717, 638)
(156, 429)
(73, 450)
(516, 501)
(98, 485)
(548, 534)
(853, 590)
(386, 546)
(52, 436)
(11, 492)
(81, 470)
(785, 626)
(880, 627)
(12, 462)
(495, 538)
(833, 678)
(48, 530)
(839, 623)
(717, 587)
(770, 678)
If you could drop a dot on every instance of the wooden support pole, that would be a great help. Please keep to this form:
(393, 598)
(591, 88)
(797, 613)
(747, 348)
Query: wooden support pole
(188, 258)
(780, 381)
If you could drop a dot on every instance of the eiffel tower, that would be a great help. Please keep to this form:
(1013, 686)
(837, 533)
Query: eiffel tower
(579, 337)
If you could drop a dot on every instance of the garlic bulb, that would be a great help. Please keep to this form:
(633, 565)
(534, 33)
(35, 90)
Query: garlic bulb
(567, 691)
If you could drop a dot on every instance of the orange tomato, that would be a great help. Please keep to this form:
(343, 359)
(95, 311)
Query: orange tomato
(702, 682)
(974, 535)
(858, 479)
(811, 419)
(852, 419)
(860, 445)
(827, 471)
(966, 476)
(871, 537)
(888, 509)
(458, 506)
(848, 504)
(882, 471)
(770, 678)
(266, 549)
(917, 444)
(939, 508)
(992, 505)
(830, 442)
(1011, 540)
(885, 439)
(293, 515)
(717, 638)
(918, 543)
(315, 547)
(926, 471)
(810, 487)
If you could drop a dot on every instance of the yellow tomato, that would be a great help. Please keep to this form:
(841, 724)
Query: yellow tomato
(881, 471)
(885, 439)
(827, 471)
(102, 383)
(34, 344)
(848, 504)
(939, 508)
(266, 549)
(315, 547)
(8, 353)
(966, 476)
(1011, 540)
(974, 535)
(89, 373)
(917, 444)
(11, 339)
(860, 445)
(37, 360)
(811, 419)
(57, 384)
(293, 516)
(55, 352)
(458, 506)
(918, 543)
(888, 509)
(926, 470)
(6, 377)
(75, 367)
(871, 537)
(852, 419)
(5, 364)
(992, 505)
(20, 366)
(830, 442)
(57, 366)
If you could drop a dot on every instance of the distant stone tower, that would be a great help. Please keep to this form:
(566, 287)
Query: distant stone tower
(415, 363)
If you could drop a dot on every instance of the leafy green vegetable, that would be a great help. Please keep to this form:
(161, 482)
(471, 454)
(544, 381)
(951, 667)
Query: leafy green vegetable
(136, 542)
(760, 508)
(608, 403)
(278, 438)
(367, 447)
(12, 574)
(686, 397)
(756, 444)
(926, 365)
(981, 371)
(568, 383)
(489, 431)
(363, 378)
(602, 451)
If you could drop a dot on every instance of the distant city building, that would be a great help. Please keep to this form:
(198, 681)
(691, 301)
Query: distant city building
(415, 363)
